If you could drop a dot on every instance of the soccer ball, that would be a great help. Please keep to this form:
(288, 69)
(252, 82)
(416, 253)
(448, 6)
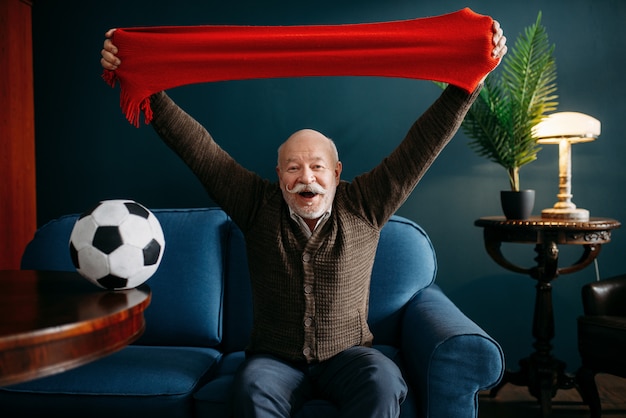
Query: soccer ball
(118, 244)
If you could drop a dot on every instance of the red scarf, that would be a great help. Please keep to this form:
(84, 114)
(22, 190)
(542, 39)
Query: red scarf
(454, 48)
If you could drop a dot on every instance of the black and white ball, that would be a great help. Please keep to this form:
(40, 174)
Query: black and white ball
(117, 245)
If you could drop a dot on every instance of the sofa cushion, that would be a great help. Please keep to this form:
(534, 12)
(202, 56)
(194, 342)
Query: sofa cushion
(187, 289)
(213, 399)
(136, 381)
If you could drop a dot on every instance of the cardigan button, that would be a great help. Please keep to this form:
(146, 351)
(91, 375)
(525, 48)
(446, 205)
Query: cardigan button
(306, 257)
(308, 322)
(306, 351)
(308, 289)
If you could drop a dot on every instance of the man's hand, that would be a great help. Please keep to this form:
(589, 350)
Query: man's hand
(499, 45)
(499, 41)
(109, 59)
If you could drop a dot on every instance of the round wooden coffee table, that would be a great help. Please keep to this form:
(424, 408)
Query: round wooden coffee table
(54, 321)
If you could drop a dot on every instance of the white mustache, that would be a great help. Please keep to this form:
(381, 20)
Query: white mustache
(301, 188)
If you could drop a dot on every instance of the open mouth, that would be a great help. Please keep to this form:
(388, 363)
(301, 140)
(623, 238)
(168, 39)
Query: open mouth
(308, 195)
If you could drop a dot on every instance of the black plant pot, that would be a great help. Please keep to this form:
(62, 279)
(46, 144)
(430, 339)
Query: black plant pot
(517, 205)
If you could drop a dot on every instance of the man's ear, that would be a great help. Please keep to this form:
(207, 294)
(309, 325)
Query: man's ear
(338, 169)
(280, 180)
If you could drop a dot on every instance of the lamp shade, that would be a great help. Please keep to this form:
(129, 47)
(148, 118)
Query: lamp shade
(573, 126)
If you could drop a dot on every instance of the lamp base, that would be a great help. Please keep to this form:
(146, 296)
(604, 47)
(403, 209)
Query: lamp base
(569, 214)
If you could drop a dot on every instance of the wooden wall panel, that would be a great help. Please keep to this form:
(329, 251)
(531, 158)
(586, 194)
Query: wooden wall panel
(18, 219)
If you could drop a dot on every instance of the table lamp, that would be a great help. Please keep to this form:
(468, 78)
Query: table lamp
(565, 129)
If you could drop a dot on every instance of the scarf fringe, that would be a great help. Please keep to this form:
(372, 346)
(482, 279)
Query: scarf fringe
(110, 77)
(131, 107)
(147, 111)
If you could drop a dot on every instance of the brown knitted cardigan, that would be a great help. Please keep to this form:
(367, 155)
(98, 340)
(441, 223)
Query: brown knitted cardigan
(310, 296)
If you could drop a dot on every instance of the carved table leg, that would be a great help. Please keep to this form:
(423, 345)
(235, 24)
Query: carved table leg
(541, 372)
(547, 374)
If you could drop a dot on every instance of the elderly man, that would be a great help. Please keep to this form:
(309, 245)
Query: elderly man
(311, 240)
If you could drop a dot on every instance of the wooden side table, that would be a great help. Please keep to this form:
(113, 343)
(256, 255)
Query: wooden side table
(53, 321)
(541, 372)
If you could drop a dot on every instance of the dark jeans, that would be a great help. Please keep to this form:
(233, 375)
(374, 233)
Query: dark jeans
(361, 382)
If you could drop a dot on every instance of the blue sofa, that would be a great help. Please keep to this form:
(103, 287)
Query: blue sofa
(200, 317)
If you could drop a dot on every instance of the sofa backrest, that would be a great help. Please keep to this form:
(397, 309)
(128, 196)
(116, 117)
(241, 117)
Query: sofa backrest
(201, 291)
(187, 289)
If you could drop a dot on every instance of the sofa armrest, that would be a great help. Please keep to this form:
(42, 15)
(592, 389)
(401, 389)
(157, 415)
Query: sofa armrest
(605, 297)
(448, 358)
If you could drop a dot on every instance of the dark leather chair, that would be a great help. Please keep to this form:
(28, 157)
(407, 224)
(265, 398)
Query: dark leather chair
(601, 336)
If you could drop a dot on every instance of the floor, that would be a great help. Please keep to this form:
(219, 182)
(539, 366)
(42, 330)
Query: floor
(515, 401)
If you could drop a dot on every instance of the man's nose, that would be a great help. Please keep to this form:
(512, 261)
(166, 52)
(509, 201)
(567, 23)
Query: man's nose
(307, 176)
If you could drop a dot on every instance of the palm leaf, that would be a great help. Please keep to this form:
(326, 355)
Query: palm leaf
(499, 123)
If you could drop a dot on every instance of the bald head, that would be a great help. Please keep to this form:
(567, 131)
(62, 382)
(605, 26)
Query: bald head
(308, 139)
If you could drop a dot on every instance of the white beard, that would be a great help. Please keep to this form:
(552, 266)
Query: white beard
(311, 210)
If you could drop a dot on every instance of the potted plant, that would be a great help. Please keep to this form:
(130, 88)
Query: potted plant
(512, 101)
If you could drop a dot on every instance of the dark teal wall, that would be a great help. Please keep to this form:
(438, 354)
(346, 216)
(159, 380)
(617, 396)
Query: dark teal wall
(87, 151)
